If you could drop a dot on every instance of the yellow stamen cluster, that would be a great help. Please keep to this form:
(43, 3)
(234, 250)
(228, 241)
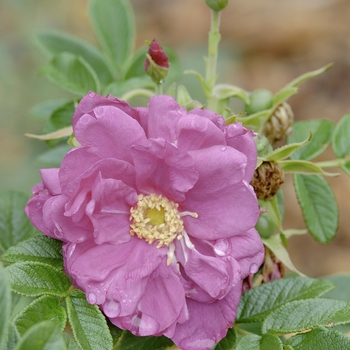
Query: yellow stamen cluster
(155, 218)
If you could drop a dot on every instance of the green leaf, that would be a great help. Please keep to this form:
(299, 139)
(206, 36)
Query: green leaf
(257, 120)
(113, 22)
(14, 224)
(320, 338)
(318, 206)
(301, 315)
(36, 278)
(340, 139)
(88, 324)
(284, 94)
(258, 302)
(5, 306)
(277, 245)
(119, 88)
(72, 73)
(45, 308)
(297, 81)
(342, 287)
(55, 43)
(321, 131)
(270, 342)
(60, 117)
(12, 339)
(249, 342)
(43, 110)
(285, 151)
(128, 341)
(346, 167)
(70, 342)
(40, 248)
(224, 91)
(303, 167)
(53, 157)
(42, 336)
(228, 342)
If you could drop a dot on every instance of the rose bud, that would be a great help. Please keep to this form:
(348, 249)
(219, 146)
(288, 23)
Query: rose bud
(156, 62)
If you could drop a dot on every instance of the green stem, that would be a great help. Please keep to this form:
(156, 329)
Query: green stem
(331, 163)
(211, 62)
(159, 89)
(137, 92)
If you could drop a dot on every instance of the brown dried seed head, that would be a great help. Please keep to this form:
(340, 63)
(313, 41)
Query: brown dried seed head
(279, 126)
(267, 180)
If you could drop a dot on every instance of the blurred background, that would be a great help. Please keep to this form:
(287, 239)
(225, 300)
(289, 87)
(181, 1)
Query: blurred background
(265, 44)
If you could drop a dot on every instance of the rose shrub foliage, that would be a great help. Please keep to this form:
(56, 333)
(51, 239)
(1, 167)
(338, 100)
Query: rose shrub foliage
(157, 216)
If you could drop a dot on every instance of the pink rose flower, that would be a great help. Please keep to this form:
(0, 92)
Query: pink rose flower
(157, 216)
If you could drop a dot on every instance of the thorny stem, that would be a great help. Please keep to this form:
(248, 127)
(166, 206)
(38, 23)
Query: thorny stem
(211, 61)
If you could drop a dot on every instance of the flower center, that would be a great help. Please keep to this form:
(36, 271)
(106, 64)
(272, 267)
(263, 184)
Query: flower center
(155, 218)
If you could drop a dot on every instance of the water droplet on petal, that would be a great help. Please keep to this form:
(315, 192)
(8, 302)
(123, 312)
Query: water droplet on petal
(111, 308)
(92, 298)
(253, 268)
(39, 205)
(91, 94)
(223, 149)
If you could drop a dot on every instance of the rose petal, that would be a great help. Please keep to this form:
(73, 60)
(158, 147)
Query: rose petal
(196, 132)
(50, 180)
(164, 112)
(162, 169)
(243, 140)
(110, 134)
(208, 323)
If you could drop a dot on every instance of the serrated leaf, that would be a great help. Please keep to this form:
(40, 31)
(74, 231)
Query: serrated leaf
(43, 110)
(128, 341)
(249, 342)
(113, 22)
(5, 306)
(40, 248)
(285, 151)
(320, 338)
(88, 324)
(301, 315)
(45, 308)
(36, 278)
(55, 43)
(224, 91)
(321, 131)
(256, 121)
(318, 205)
(303, 167)
(72, 73)
(340, 139)
(14, 224)
(258, 302)
(53, 157)
(42, 336)
(270, 342)
(229, 342)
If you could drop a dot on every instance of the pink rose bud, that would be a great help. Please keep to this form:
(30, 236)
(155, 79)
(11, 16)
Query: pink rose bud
(156, 62)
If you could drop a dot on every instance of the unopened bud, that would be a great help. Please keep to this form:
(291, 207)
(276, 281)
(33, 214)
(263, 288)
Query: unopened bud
(267, 180)
(260, 100)
(156, 62)
(217, 5)
(280, 125)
